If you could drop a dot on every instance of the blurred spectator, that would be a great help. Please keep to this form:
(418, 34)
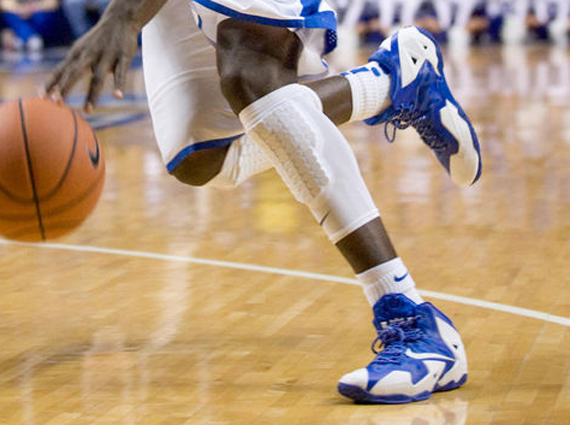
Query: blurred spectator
(82, 14)
(368, 28)
(549, 19)
(29, 22)
(32, 23)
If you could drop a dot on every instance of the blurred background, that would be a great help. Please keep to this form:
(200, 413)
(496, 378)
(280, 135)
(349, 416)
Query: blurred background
(33, 25)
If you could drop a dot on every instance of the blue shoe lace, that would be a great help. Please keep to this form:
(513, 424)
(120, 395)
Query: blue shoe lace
(407, 116)
(391, 341)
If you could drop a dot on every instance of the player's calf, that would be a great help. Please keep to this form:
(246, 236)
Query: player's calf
(200, 167)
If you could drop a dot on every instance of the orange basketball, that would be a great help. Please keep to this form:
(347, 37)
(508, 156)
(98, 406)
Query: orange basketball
(51, 170)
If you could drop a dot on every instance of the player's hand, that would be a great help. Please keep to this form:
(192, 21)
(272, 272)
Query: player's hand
(107, 48)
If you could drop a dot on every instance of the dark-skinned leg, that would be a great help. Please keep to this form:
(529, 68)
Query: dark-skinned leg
(279, 60)
(255, 60)
(243, 49)
(280, 68)
(286, 121)
(237, 72)
(336, 96)
(201, 167)
(367, 247)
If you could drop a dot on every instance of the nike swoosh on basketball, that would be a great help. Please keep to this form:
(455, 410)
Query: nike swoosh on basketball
(94, 157)
(399, 279)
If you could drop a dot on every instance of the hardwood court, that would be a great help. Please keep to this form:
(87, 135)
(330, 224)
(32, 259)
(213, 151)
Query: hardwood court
(112, 336)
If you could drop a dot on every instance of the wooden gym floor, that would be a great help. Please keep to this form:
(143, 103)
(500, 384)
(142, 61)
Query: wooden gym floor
(161, 309)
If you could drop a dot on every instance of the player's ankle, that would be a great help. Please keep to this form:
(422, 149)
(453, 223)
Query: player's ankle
(370, 86)
(391, 277)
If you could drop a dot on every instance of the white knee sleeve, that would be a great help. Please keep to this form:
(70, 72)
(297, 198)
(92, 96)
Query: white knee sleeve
(244, 159)
(312, 157)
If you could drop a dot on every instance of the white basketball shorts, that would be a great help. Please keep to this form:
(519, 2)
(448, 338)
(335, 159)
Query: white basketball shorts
(188, 111)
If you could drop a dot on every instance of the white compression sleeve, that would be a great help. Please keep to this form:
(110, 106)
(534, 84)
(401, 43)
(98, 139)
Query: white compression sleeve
(244, 159)
(312, 157)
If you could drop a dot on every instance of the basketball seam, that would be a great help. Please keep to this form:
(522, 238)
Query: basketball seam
(59, 209)
(52, 192)
(73, 202)
(49, 213)
(69, 162)
(14, 197)
(30, 170)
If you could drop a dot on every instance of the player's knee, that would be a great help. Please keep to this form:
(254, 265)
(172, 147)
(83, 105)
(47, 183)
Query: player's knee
(254, 60)
(239, 86)
(200, 167)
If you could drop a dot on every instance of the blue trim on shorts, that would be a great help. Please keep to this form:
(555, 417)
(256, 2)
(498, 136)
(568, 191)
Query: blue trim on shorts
(310, 7)
(189, 150)
(310, 16)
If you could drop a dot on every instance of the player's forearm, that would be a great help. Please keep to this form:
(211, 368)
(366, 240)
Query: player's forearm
(136, 12)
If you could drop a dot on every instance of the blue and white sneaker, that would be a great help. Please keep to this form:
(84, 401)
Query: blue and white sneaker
(422, 353)
(422, 99)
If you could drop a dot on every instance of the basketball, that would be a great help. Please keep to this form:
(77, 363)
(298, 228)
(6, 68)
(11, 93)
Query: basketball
(52, 170)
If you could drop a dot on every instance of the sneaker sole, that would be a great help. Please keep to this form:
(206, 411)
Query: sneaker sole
(364, 397)
(454, 119)
(451, 116)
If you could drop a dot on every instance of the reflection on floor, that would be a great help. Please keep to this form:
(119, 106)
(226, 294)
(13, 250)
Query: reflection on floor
(97, 337)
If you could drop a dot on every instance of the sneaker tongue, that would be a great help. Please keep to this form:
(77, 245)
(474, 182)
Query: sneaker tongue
(393, 306)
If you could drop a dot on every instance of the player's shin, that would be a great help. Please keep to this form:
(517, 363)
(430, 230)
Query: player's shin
(317, 164)
(312, 157)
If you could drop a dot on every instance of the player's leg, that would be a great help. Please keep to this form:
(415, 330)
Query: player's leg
(386, 90)
(304, 145)
(389, 275)
(197, 133)
(316, 163)
(194, 126)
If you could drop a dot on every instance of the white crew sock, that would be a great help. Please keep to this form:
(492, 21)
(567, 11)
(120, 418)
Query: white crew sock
(391, 277)
(370, 90)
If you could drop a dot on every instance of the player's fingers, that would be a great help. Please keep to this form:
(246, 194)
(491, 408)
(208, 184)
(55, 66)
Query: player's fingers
(72, 73)
(96, 86)
(120, 75)
(54, 79)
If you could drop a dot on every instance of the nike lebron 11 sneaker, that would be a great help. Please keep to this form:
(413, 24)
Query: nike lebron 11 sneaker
(421, 353)
(422, 99)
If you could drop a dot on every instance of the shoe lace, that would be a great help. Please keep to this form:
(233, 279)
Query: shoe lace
(408, 116)
(391, 341)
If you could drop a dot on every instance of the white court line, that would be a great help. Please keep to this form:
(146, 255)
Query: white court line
(564, 321)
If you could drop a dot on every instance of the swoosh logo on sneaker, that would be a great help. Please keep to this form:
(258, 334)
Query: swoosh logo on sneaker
(429, 356)
(95, 157)
(399, 279)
